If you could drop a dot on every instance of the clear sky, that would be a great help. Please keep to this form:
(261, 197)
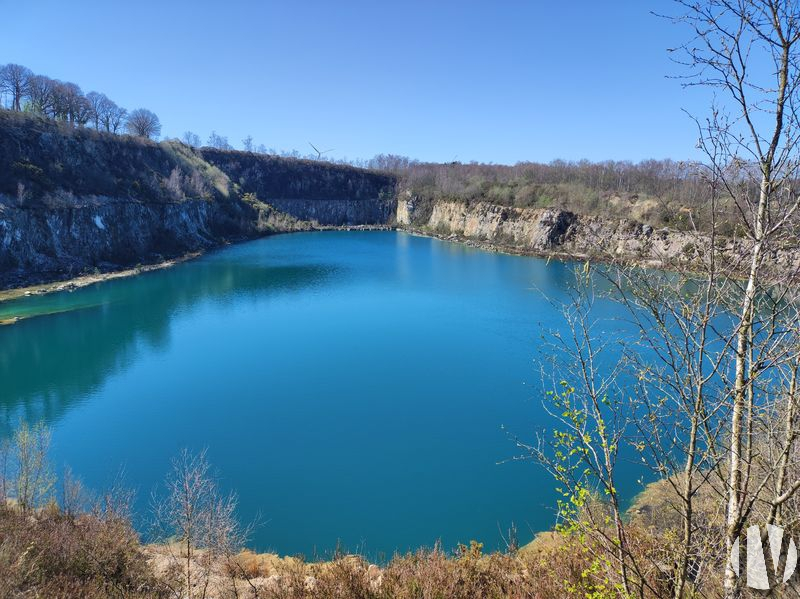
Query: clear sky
(494, 81)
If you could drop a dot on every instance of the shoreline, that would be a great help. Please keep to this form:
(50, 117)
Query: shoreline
(508, 250)
(78, 282)
(73, 283)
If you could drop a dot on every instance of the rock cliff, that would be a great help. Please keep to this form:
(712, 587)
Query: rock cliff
(74, 201)
(554, 232)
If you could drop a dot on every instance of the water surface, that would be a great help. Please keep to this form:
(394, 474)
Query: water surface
(351, 386)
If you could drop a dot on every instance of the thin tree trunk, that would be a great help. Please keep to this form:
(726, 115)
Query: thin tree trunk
(188, 567)
(740, 392)
(789, 438)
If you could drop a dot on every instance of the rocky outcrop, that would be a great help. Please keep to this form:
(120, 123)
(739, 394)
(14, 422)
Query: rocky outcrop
(554, 232)
(41, 244)
(76, 201)
(310, 190)
(339, 213)
(532, 229)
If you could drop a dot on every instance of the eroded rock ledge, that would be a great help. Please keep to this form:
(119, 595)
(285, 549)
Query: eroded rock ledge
(563, 234)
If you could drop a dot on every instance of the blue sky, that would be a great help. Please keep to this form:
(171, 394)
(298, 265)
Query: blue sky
(499, 81)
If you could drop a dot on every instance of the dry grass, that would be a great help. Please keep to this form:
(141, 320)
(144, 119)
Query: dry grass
(50, 554)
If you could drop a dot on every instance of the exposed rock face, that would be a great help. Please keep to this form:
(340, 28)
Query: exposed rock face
(45, 244)
(405, 207)
(41, 244)
(532, 229)
(271, 177)
(73, 200)
(310, 190)
(548, 231)
(376, 211)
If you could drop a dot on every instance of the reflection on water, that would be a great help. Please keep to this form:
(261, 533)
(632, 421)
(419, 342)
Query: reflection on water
(350, 386)
(49, 362)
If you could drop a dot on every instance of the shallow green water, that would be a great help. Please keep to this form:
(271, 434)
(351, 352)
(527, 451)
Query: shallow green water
(350, 386)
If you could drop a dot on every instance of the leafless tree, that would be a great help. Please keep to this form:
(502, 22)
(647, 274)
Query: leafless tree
(247, 143)
(114, 117)
(104, 113)
(69, 103)
(220, 142)
(14, 80)
(32, 478)
(143, 123)
(74, 497)
(174, 184)
(749, 51)
(41, 94)
(96, 102)
(710, 350)
(191, 139)
(200, 519)
(5, 470)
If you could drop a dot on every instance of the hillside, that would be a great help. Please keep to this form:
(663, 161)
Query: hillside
(75, 200)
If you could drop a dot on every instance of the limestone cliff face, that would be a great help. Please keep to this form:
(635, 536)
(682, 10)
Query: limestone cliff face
(41, 244)
(554, 232)
(318, 192)
(532, 229)
(405, 207)
(73, 200)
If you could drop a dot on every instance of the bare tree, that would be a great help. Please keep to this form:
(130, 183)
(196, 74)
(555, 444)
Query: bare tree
(200, 519)
(14, 80)
(220, 142)
(74, 497)
(5, 470)
(114, 117)
(104, 113)
(247, 143)
(96, 103)
(191, 139)
(174, 184)
(748, 50)
(143, 123)
(69, 103)
(710, 350)
(41, 94)
(32, 476)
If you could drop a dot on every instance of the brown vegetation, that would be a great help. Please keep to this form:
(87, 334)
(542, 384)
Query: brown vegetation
(52, 554)
(662, 193)
(82, 547)
(65, 544)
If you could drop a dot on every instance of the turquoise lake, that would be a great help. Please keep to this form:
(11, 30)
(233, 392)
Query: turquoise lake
(351, 387)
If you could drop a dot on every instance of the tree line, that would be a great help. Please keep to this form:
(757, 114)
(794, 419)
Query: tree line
(662, 193)
(22, 90)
